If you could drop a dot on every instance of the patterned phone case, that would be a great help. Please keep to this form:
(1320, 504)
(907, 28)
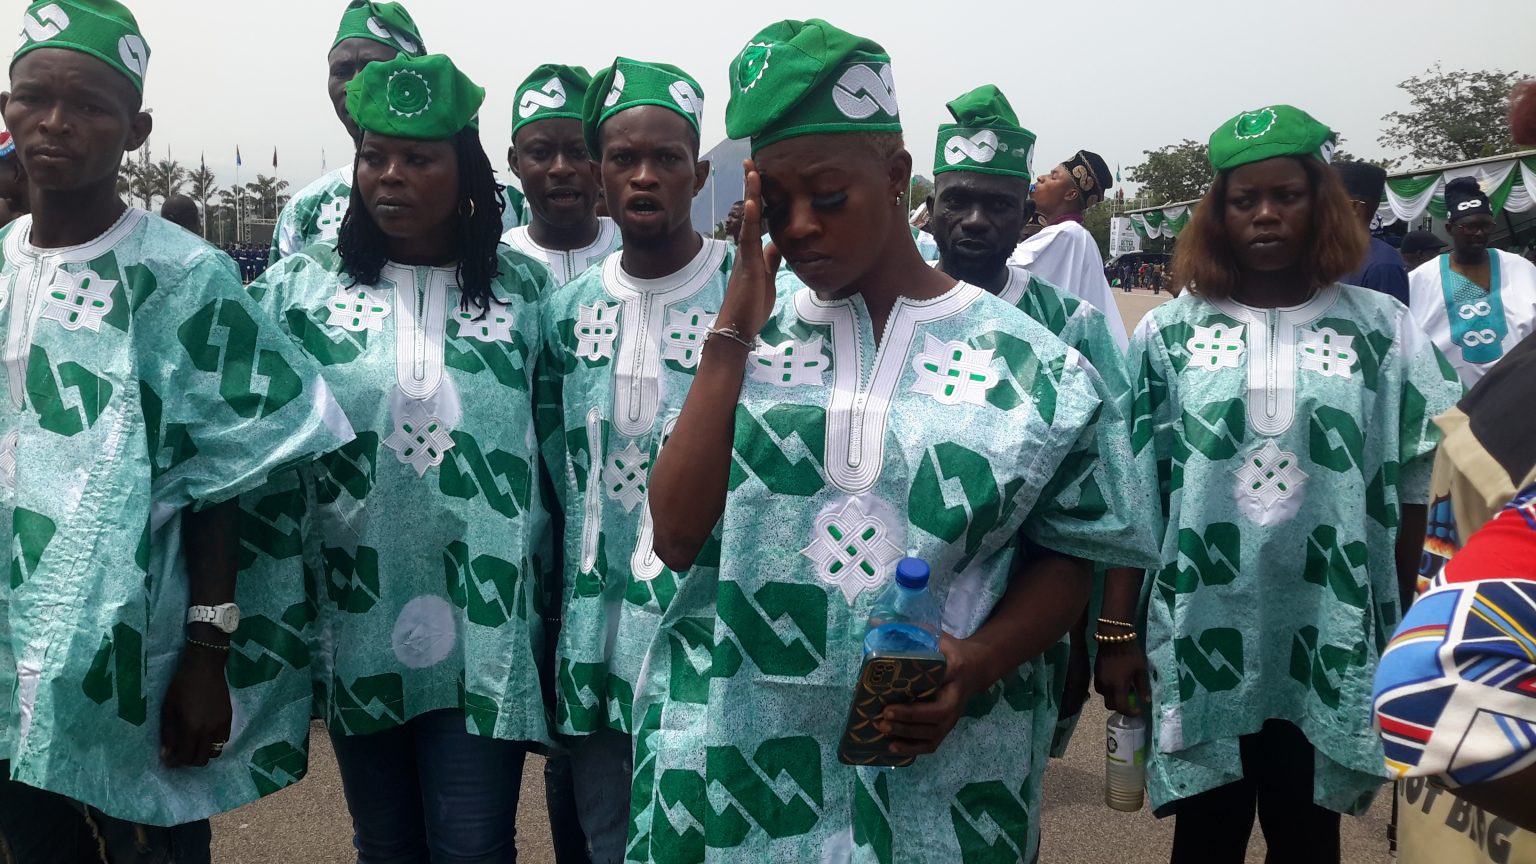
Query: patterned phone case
(886, 679)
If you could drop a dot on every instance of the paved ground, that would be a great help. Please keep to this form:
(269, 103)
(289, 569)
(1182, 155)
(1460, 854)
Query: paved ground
(308, 823)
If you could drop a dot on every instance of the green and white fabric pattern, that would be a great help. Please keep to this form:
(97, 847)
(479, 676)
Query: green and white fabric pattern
(1298, 433)
(1083, 327)
(103, 29)
(429, 528)
(969, 425)
(141, 380)
(315, 214)
(566, 264)
(619, 356)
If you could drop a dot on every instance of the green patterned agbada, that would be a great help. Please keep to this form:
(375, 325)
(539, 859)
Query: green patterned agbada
(620, 355)
(428, 526)
(1298, 433)
(141, 380)
(968, 425)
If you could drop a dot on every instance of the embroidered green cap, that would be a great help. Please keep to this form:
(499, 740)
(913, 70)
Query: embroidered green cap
(986, 137)
(1278, 130)
(808, 78)
(425, 98)
(551, 91)
(104, 29)
(385, 23)
(632, 83)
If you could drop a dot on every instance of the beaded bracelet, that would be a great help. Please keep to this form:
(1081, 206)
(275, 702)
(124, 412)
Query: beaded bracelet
(209, 645)
(1115, 640)
(732, 334)
(1113, 623)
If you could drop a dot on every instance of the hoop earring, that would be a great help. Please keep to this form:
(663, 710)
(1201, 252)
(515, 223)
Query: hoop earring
(471, 213)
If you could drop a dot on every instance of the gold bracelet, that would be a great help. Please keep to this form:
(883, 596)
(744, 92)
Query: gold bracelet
(1116, 640)
(209, 645)
(1113, 623)
(732, 334)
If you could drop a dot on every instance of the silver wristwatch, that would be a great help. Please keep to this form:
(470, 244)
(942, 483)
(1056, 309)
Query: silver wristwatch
(225, 616)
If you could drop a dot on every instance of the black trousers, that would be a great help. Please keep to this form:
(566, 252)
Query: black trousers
(1213, 827)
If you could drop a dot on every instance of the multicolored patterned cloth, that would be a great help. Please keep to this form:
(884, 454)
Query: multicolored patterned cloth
(1456, 689)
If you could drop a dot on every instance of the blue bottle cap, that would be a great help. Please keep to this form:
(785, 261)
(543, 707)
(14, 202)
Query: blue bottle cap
(912, 573)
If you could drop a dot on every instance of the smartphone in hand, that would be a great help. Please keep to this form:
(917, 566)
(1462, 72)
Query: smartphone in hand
(887, 678)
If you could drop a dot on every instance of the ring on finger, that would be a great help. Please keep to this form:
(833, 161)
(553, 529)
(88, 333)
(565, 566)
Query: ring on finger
(218, 747)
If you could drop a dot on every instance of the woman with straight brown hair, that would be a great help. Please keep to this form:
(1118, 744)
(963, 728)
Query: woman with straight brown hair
(1295, 411)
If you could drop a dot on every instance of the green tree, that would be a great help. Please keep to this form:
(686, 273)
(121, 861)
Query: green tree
(266, 196)
(165, 178)
(1096, 220)
(1456, 115)
(1176, 172)
(204, 187)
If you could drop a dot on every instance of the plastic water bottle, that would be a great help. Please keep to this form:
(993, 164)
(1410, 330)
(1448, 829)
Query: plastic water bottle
(1125, 761)
(905, 617)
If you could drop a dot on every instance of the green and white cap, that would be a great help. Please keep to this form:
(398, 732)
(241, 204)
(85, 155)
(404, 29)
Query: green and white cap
(424, 98)
(551, 91)
(809, 78)
(986, 137)
(104, 29)
(1278, 130)
(385, 23)
(632, 83)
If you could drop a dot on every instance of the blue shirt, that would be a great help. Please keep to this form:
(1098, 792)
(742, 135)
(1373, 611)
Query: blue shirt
(1382, 271)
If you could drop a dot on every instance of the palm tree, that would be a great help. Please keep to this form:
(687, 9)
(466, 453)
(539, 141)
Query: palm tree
(128, 177)
(266, 191)
(203, 188)
(166, 178)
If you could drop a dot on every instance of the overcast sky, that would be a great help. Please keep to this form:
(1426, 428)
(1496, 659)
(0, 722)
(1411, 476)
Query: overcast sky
(1116, 76)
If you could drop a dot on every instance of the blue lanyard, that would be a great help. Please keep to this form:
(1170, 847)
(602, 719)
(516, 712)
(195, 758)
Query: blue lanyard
(1477, 320)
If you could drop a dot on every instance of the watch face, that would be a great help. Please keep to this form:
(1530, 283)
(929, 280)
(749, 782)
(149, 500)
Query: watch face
(231, 618)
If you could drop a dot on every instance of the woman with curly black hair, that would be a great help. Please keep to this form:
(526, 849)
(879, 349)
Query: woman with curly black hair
(423, 530)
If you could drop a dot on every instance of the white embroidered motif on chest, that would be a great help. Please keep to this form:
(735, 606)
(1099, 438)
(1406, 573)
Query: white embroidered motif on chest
(595, 330)
(492, 325)
(1219, 346)
(792, 363)
(330, 216)
(953, 373)
(851, 549)
(862, 91)
(420, 440)
(684, 337)
(79, 300)
(356, 308)
(1327, 352)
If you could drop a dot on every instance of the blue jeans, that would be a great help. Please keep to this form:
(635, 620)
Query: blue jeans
(38, 827)
(430, 791)
(602, 765)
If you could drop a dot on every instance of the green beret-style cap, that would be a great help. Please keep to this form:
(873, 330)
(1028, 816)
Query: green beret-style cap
(1279, 130)
(104, 29)
(809, 78)
(551, 91)
(385, 23)
(424, 98)
(986, 136)
(632, 83)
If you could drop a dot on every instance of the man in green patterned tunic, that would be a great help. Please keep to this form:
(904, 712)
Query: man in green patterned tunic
(145, 391)
(981, 180)
(622, 342)
(550, 158)
(370, 32)
(870, 406)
